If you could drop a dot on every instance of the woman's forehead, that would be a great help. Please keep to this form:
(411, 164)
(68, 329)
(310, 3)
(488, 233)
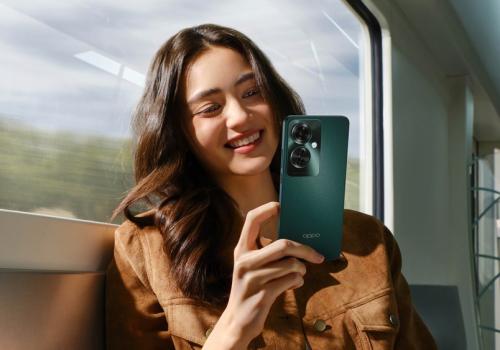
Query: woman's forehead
(218, 67)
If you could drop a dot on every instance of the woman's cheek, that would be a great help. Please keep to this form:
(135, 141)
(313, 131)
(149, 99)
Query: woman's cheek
(207, 136)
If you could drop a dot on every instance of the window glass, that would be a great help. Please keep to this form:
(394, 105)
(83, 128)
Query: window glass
(73, 71)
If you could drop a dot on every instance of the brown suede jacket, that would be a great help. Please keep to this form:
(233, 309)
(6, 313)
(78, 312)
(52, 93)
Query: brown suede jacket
(361, 301)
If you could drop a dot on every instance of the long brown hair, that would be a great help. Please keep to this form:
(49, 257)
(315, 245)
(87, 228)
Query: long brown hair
(200, 223)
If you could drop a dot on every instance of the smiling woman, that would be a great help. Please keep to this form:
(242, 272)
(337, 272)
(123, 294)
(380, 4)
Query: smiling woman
(203, 266)
(182, 150)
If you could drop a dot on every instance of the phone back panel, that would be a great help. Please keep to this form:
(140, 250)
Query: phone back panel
(312, 198)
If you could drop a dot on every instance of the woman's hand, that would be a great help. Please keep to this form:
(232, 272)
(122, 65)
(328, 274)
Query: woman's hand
(259, 277)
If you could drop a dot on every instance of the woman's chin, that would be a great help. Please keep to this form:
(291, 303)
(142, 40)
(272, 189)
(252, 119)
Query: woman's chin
(250, 167)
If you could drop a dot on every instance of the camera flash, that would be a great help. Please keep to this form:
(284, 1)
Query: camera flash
(314, 145)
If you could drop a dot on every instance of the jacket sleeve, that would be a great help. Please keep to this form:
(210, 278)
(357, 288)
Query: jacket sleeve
(134, 317)
(413, 333)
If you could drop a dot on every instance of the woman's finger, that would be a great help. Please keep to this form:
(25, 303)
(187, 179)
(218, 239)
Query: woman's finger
(251, 227)
(282, 248)
(276, 270)
(279, 285)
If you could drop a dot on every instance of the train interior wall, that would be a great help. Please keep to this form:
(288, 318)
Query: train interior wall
(440, 88)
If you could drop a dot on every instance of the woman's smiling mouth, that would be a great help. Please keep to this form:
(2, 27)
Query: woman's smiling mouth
(246, 144)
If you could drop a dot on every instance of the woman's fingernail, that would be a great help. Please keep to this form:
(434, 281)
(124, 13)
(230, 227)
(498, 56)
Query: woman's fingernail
(320, 258)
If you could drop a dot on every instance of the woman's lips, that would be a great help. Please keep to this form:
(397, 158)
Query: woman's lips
(250, 147)
(247, 135)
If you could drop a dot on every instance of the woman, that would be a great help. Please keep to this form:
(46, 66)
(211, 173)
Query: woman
(203, 266)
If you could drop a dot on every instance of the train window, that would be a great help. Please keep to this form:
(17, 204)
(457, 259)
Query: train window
(73, 71)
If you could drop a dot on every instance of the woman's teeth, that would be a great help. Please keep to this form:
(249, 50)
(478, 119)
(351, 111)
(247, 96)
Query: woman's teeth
(245, 141)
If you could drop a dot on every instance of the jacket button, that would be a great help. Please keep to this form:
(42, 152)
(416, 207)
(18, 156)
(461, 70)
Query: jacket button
(320, 325)
(209, 330)
(393, 319)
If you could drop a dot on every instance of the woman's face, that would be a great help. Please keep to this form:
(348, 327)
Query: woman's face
(229, 123)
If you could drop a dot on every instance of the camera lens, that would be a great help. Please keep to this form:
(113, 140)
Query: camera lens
(300, 157)
(301, 133)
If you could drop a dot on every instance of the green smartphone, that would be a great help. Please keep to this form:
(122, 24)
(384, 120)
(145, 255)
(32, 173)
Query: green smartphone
(312, 185)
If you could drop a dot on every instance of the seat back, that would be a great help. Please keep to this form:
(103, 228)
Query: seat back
(439, 307)
(52, 276)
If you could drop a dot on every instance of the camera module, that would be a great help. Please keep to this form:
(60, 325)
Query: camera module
(301, 133)
(300, 157)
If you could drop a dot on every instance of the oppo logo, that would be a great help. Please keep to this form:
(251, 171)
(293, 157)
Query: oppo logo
(311, 235)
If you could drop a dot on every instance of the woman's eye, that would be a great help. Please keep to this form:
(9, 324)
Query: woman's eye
(251, 92)
(210, 109)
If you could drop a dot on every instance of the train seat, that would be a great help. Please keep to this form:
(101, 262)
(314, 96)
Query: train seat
(439, 307)
(52, 275)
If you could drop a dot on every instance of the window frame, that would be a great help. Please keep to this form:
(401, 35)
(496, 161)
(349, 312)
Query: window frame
(375, 33)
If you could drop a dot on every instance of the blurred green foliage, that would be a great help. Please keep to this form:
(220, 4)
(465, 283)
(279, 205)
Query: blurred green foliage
(63, 173)
(81, 176)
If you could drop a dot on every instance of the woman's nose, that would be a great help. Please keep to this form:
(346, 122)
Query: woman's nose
(236, 115)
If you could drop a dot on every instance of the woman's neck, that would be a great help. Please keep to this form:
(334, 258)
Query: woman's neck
(252, 191)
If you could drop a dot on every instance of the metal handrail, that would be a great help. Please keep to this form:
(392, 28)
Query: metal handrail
(475, 223)
(490, 328)
(488, 285)
(487, 256)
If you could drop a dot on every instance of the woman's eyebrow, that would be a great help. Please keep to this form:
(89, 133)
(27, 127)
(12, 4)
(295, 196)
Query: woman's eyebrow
(202, 94)
(244, 77)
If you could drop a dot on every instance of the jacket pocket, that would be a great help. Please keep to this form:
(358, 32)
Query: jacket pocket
(374, 324)
(190, 322)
